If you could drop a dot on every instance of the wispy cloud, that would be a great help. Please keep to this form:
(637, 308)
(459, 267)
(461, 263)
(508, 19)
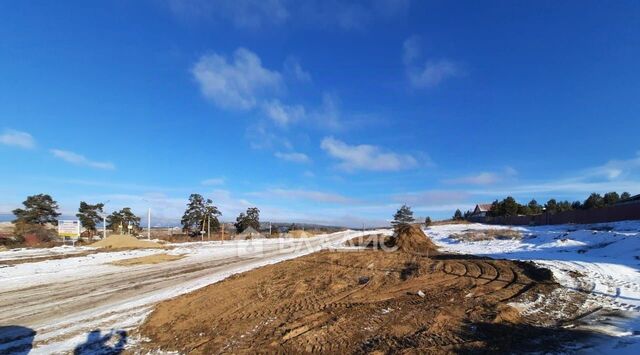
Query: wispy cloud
(78, 159)
(282, 114)
(293, 157)
(213, 182)
(484, 178)
(432, 197)
(427, 74)
(293, 69)
(301, 194)
(246, 14)
(17, 139)
(256, 14)
(238, 83)
(366, 157)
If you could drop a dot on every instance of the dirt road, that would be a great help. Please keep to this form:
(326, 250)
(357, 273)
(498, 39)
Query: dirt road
(64, 300)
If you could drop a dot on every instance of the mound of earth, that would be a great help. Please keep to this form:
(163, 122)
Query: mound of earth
(124, 242)
(373, 241)
(149, 259)
(3, 248)
(299, 234)
(362, 302)
(411, 239)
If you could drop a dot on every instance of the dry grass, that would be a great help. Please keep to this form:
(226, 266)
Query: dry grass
(474, 235)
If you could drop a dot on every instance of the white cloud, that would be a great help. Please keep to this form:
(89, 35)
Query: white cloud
(255, 14)
(484, 178)
(213, 182)
(77, 159)
(300, 194)
(18, 139)
(283, 114)
(366, 157)
(328, 115)
(235, 84)
(430, 73)
(432, 198)
(293, 157)
(614, 169)
(294, 70)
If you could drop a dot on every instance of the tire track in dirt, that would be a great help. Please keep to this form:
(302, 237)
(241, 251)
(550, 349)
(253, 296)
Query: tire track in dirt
(346, 302)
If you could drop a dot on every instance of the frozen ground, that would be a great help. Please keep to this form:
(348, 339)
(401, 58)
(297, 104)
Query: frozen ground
(63, 300)
(601, 261)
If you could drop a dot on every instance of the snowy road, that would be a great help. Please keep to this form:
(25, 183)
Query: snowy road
(63, 300)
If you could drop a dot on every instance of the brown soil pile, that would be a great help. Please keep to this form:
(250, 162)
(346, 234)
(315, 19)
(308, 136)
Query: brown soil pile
(373, 241)
(299, 234)
(360, 302)
(124, 242)
(411, 239)
(149, 259)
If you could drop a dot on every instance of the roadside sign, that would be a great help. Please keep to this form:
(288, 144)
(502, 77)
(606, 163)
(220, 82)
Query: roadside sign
(69, 228)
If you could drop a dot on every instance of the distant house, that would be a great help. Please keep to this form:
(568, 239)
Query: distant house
(629, 201)
(481, 210)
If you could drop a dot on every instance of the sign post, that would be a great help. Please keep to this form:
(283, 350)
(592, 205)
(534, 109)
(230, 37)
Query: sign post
(69, 229)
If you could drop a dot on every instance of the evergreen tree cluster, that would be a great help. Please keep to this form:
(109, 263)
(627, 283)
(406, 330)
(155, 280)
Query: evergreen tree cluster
(510, 207)
(119, 221)
(200, 215)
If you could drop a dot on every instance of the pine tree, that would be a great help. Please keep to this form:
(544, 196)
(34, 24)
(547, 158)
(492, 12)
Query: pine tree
(427, 221)
(457, 215)
(38, 209)
(610, 198)
(119, 221)
(551, 206)
(404, 215)
(250, 219)
(594, 201)
(199, 212)
(510, 206)
(534, 207)
(89, 216)
(625, 195)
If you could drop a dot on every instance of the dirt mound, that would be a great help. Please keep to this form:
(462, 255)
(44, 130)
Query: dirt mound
(373, 241)
(411, 239)
(149, 259)
(3, 248)
(299, 234)
(359, 302)
(124, 242)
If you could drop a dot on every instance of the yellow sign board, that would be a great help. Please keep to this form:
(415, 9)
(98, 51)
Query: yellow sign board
(69, 228)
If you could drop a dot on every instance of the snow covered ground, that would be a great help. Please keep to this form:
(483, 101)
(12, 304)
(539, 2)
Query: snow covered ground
(64, 300)
(604, 257)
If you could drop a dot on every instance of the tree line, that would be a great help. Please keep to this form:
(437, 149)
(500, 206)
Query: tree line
(510, 207)
(200, 215)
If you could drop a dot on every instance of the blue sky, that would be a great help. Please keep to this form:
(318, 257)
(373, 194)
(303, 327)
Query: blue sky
(317, 111)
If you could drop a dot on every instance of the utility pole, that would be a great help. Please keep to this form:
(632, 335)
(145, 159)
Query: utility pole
(149, 223)
(209, 226)
(269, 229)
(222, 238)
(104, 225)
